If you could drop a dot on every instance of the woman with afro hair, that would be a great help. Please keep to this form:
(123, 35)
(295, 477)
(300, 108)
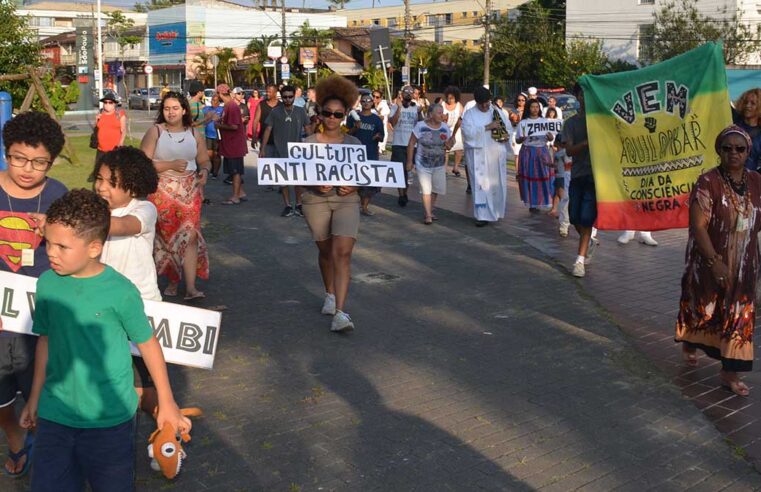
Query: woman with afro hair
(332, 212)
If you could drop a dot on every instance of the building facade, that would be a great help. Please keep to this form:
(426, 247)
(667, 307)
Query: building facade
(53, 18)
(625, 26)
(449, 22)
(178, 34)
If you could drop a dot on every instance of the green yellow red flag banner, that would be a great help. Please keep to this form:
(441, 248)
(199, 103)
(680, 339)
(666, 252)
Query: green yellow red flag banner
(651, 134)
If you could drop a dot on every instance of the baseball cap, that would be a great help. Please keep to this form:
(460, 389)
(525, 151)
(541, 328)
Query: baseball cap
(223, 89)
(238, 90)
(532, 91)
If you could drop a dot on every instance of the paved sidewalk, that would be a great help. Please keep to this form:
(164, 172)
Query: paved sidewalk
(476, 364)
(639, 286)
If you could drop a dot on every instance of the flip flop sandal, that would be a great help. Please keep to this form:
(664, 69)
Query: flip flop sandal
(230, 202)
(16, 457)
(195, 295)
(169, 292)
(243, 198)
(737, 387)
(690, 358)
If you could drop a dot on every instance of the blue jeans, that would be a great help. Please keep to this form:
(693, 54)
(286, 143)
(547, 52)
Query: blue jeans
(65, 457)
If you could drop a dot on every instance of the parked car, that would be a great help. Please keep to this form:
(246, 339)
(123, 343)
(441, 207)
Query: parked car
(144, 98)
(566, 102)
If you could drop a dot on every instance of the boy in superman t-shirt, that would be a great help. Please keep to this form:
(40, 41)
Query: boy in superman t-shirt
(32, 141)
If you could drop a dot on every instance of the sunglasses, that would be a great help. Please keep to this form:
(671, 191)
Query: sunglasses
(365, 101)
(521, 100)
(109, 102)
(376, 97)
(287, 96)
(740, 149)
(339, 115)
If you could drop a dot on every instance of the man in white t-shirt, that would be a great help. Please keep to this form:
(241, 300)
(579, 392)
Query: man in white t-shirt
(383, 110)
(403, 117)
(552, 103)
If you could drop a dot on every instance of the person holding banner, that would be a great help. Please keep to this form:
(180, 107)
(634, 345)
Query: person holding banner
(180, 157)
(83, 402)
(716, 309)
(582, 199)
(332, 212)
(32, 142)
(534, 171)
(486, 136)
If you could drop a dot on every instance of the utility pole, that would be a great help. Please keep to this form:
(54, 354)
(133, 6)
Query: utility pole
(407, 39)
(282, 22)
(487, 41)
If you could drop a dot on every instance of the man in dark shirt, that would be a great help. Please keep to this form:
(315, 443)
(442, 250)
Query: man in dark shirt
(287, 123)
(582, 205)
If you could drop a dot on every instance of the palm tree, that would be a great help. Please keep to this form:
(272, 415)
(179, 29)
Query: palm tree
(203, 68)
(258, 47)
(339, 4)
(227, 62)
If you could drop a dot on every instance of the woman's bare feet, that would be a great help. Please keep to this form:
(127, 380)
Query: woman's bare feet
(733, 382)
(690, 355)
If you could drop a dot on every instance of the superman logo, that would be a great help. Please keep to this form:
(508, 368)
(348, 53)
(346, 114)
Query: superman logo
(16, 234)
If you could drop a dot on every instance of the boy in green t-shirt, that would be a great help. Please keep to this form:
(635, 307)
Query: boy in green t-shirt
(82, 401)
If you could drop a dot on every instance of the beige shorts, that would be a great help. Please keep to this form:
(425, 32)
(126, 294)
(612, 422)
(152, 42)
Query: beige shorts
(331, 215)
(432, 180)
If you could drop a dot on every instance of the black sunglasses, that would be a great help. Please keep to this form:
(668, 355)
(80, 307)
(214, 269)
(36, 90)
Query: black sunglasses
(284, 96)
(339, 115)
(740, 149)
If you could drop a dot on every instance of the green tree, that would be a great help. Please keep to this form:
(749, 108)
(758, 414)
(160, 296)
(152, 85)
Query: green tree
(227, 62)
(532, 46)
(679, 26)
(121, 29)
(155, 5)
(19, 49)
(203, 69)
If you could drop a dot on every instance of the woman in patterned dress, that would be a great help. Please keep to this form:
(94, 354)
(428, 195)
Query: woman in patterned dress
(180, 157)
(716, 310)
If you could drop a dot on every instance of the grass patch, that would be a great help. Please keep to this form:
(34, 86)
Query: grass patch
(74, 174)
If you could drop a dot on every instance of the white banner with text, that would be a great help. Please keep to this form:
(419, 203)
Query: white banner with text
(188, 336)
(316, 164)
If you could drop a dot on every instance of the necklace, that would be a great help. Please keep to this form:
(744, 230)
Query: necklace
(288, 118)
(172, 138)
(732, 189)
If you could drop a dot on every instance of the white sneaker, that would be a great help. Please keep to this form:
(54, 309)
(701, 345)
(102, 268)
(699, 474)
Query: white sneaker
(563, 231)
(647, 238)
(625, 237)
(329, 306)
(341, 322)
(578, 269)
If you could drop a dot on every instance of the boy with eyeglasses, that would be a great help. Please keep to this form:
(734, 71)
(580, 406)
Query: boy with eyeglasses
(285, 124)
(32, 142)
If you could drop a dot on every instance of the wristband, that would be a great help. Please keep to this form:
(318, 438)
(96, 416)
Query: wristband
(710, 261)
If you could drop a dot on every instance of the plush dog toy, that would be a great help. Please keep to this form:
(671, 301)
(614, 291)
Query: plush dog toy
(164, 446)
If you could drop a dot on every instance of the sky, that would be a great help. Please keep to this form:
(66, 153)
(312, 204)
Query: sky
(352, 4)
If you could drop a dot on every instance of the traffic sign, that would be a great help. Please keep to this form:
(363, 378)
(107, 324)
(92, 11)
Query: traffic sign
(284, 59)
(214, 59)
(274, 51)
(148, 69)
(405, 75)
(285, 71)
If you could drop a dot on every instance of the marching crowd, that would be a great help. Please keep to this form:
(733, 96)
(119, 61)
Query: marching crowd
(102, 251)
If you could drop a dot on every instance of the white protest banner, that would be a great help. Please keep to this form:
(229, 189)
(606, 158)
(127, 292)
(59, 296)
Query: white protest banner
(188, 335)
(316, 164)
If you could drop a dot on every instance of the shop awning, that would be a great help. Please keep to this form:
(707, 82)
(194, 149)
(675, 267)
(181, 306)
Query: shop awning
(350, 69)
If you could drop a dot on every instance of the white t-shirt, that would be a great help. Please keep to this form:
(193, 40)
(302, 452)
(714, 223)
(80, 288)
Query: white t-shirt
(132, 256)
(535, 130)
(405, 124)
